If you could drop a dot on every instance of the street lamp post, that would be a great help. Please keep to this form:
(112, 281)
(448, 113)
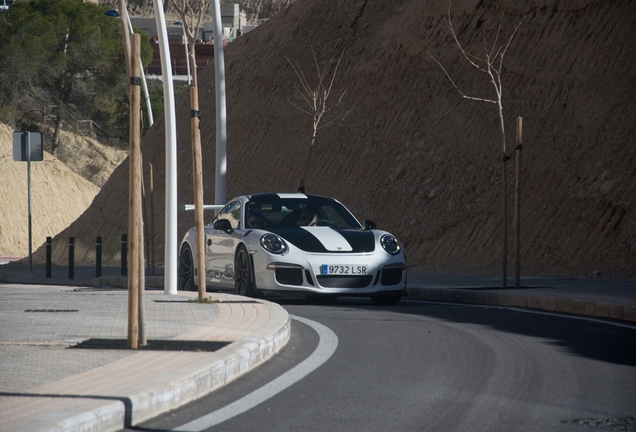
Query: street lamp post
(221, 117)
(170, 244)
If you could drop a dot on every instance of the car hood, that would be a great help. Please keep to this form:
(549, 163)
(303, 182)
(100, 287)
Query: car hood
(328, 239)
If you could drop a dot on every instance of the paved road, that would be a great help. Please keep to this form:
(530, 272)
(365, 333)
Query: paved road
(393, 354)
(433, 366)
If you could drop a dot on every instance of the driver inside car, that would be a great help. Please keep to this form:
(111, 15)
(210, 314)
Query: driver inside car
(308, 217)
(256, 220)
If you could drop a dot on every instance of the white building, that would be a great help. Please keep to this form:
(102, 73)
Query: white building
(232, 19)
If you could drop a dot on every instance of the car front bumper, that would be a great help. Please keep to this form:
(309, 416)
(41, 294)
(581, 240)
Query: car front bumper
(301, 273)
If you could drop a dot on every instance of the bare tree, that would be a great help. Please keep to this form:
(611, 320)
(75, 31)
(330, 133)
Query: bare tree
(191, 13)
(316, 103)
(491, 63)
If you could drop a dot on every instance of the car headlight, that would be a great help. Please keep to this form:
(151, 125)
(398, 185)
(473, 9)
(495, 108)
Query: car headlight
(390, 244)
(273, 244)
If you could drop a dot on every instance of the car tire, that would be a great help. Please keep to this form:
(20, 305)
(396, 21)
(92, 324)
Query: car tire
(243, 280)
(386, 299)
(186, 269)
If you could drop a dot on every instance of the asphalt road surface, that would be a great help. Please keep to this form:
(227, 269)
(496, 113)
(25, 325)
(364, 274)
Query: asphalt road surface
(352, 366)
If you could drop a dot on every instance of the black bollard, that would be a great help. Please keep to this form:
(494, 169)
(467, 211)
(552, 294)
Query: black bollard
(48, 257)
(98, 257)
(71, 257)
(124, 254)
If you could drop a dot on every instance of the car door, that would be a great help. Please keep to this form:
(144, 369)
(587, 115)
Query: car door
(220, 246)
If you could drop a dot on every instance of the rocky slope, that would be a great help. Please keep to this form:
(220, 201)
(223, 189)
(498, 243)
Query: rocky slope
(413, 155)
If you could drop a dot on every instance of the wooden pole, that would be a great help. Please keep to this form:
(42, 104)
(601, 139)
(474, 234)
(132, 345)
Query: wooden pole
(141, 249)
(141, 306)
(505, 227)
(151, 222)
(144, 212)
(134, 196)
(518, 149)
(198, 190)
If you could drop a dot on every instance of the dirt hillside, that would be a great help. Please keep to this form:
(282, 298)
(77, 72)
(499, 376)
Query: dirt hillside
(58, 197)
(413, 155)
(89, 158)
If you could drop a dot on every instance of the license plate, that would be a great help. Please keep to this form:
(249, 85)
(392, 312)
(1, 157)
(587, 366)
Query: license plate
(347, 269)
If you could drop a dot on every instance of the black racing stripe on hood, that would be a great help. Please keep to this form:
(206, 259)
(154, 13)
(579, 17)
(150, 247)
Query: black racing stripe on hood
(360, 240)
(300, 238)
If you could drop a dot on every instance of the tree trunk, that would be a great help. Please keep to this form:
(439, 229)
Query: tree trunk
(192, 58)
(301, 186)
(197, 167)
(134, 204)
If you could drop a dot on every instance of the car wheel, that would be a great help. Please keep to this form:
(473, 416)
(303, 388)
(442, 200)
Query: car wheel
(243, 284)
(386, 299)
(186, 269)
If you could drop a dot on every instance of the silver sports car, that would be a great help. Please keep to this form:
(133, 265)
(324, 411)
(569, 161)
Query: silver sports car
(280, 244)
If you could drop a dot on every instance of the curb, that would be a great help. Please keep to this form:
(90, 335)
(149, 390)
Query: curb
(551, 304)
(196, 377)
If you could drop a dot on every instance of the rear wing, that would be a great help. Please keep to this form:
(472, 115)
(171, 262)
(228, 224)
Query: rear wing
(190, 207)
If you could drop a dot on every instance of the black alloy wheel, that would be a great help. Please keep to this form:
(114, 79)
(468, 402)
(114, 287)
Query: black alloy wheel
(186, 269)
(243, 284)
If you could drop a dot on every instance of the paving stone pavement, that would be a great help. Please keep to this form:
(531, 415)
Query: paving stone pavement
(37, 323)
(47, 386)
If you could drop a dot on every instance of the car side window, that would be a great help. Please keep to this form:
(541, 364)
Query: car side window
(231, 212)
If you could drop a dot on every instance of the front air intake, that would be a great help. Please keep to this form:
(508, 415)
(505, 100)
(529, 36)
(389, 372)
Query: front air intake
(344, 281)
(289, 276)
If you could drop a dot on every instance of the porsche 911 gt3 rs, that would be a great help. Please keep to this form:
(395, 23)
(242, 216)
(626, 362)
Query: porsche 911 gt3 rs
(281, 244)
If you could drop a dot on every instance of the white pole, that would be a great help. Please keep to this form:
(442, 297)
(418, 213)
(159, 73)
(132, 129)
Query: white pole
(221, 117)
(170, 252)
(143, 77)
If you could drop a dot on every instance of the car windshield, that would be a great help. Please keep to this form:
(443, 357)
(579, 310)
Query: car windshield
(297, 212)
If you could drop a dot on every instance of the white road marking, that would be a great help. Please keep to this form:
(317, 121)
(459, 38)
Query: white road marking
(326, 347)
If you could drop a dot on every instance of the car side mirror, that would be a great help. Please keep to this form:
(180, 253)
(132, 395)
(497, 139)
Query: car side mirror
(223, 225)
(369, 225)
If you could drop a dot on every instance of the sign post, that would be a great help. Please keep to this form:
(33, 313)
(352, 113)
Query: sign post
(27, 147)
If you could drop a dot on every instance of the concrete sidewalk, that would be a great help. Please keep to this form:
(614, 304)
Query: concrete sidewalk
(44, 385)
(595, 297)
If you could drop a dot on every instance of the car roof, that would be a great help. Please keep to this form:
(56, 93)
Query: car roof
(275, 196)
